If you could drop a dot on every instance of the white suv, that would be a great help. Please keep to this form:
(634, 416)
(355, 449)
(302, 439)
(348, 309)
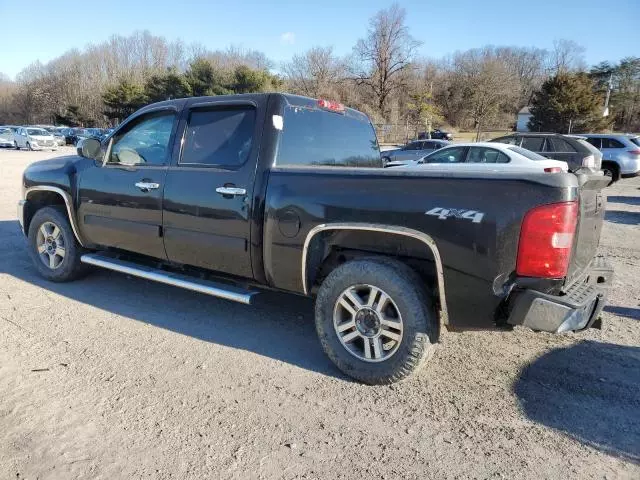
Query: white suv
(33, 138)
(620, 153)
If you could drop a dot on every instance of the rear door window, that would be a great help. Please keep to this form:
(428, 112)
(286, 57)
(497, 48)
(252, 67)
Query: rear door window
(611, 143)
(486, 155)
(314, 137)
(533, 143)
(559, 145)
(220, 137)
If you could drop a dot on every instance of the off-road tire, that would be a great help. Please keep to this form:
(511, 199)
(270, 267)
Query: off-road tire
(70, 268)
(406, 288)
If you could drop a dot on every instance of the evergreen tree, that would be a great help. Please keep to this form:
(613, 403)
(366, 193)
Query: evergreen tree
(166, 86)
(568, 103)
(205, 80)
(122, 99)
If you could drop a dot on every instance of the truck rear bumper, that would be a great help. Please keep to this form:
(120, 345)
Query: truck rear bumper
(576, 310)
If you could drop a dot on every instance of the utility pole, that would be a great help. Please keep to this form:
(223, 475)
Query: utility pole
(605, 113)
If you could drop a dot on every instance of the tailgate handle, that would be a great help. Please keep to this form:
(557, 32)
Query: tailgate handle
(598, 202)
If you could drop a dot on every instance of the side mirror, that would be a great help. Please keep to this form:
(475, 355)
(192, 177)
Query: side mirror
(88, 148)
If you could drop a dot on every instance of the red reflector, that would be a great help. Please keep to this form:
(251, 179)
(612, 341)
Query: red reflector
(634, 152)
(546, 239)
(329, 105)
(553, 169)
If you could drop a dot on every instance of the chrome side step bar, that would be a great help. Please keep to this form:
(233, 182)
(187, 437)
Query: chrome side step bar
(207, 287)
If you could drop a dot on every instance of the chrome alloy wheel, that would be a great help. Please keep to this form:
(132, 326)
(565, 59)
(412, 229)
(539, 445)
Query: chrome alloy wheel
(368, 323)
(51, 245)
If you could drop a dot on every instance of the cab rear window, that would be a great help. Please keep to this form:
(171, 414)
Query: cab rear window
(315, 137)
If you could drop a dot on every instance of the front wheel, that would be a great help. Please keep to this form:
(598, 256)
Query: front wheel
(53, 248)
(375, 320)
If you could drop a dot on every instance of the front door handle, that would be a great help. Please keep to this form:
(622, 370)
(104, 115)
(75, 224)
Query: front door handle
(146, 186)
(231, 191)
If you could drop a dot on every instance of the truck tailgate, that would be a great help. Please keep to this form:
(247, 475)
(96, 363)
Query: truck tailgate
(592, 209)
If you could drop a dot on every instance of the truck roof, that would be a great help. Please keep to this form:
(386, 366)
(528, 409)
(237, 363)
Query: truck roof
(288, 99)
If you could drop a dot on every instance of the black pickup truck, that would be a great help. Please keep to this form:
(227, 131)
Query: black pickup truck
(232, 195)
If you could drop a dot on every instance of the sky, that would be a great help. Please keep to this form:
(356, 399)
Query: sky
(42, 30)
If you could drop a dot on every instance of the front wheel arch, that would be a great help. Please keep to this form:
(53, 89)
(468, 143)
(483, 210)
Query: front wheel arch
(42, 196)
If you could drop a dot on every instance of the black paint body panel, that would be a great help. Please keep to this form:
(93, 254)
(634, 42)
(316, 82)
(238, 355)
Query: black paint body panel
(259, 237)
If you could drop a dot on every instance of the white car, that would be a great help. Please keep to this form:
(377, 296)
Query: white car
(620, 153)
(33, 138)
(487, 157)
(6, 137)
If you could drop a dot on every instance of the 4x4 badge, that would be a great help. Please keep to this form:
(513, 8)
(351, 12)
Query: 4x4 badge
(444, 213)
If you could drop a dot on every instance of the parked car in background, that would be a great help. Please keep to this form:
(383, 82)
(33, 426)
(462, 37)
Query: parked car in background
(620, 154)
(69, 135)
(436, 134)
(59, 137)
(488, 157)
(412, 151)
(33, 138)
(6, 137)
(573, 149)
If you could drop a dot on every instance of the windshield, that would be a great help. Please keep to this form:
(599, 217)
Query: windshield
(37, 131)
(635, 140)
(527, 153)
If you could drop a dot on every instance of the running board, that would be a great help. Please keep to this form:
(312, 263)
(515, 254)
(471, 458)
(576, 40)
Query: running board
(207, 287)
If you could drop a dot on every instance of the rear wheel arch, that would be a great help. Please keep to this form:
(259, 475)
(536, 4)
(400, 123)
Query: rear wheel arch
(328, 246)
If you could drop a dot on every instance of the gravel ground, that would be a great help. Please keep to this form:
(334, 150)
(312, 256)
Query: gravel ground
(115, 377)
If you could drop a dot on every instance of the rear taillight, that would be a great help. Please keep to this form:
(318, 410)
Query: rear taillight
(634, 152)
(546, 239)
(589, 161)
(552, 170)
(329, 105)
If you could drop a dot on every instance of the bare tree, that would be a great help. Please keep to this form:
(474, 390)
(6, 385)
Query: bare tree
(566, 56)
(316, 73)
(381, 57)
(486, 84)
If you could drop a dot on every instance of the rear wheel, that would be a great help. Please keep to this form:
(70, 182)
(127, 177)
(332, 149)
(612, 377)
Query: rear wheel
(611, 170)
(375, 321)
(53, 247)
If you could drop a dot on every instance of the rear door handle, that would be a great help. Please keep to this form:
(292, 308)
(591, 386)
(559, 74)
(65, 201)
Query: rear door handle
(146, 186)
(231, 191)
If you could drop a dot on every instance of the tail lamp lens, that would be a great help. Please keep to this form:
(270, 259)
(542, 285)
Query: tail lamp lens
(546, 239)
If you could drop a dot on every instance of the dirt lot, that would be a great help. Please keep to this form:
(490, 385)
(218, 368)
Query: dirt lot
(115, 377)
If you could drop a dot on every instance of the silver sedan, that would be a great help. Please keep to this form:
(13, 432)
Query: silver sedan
(411, 151)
